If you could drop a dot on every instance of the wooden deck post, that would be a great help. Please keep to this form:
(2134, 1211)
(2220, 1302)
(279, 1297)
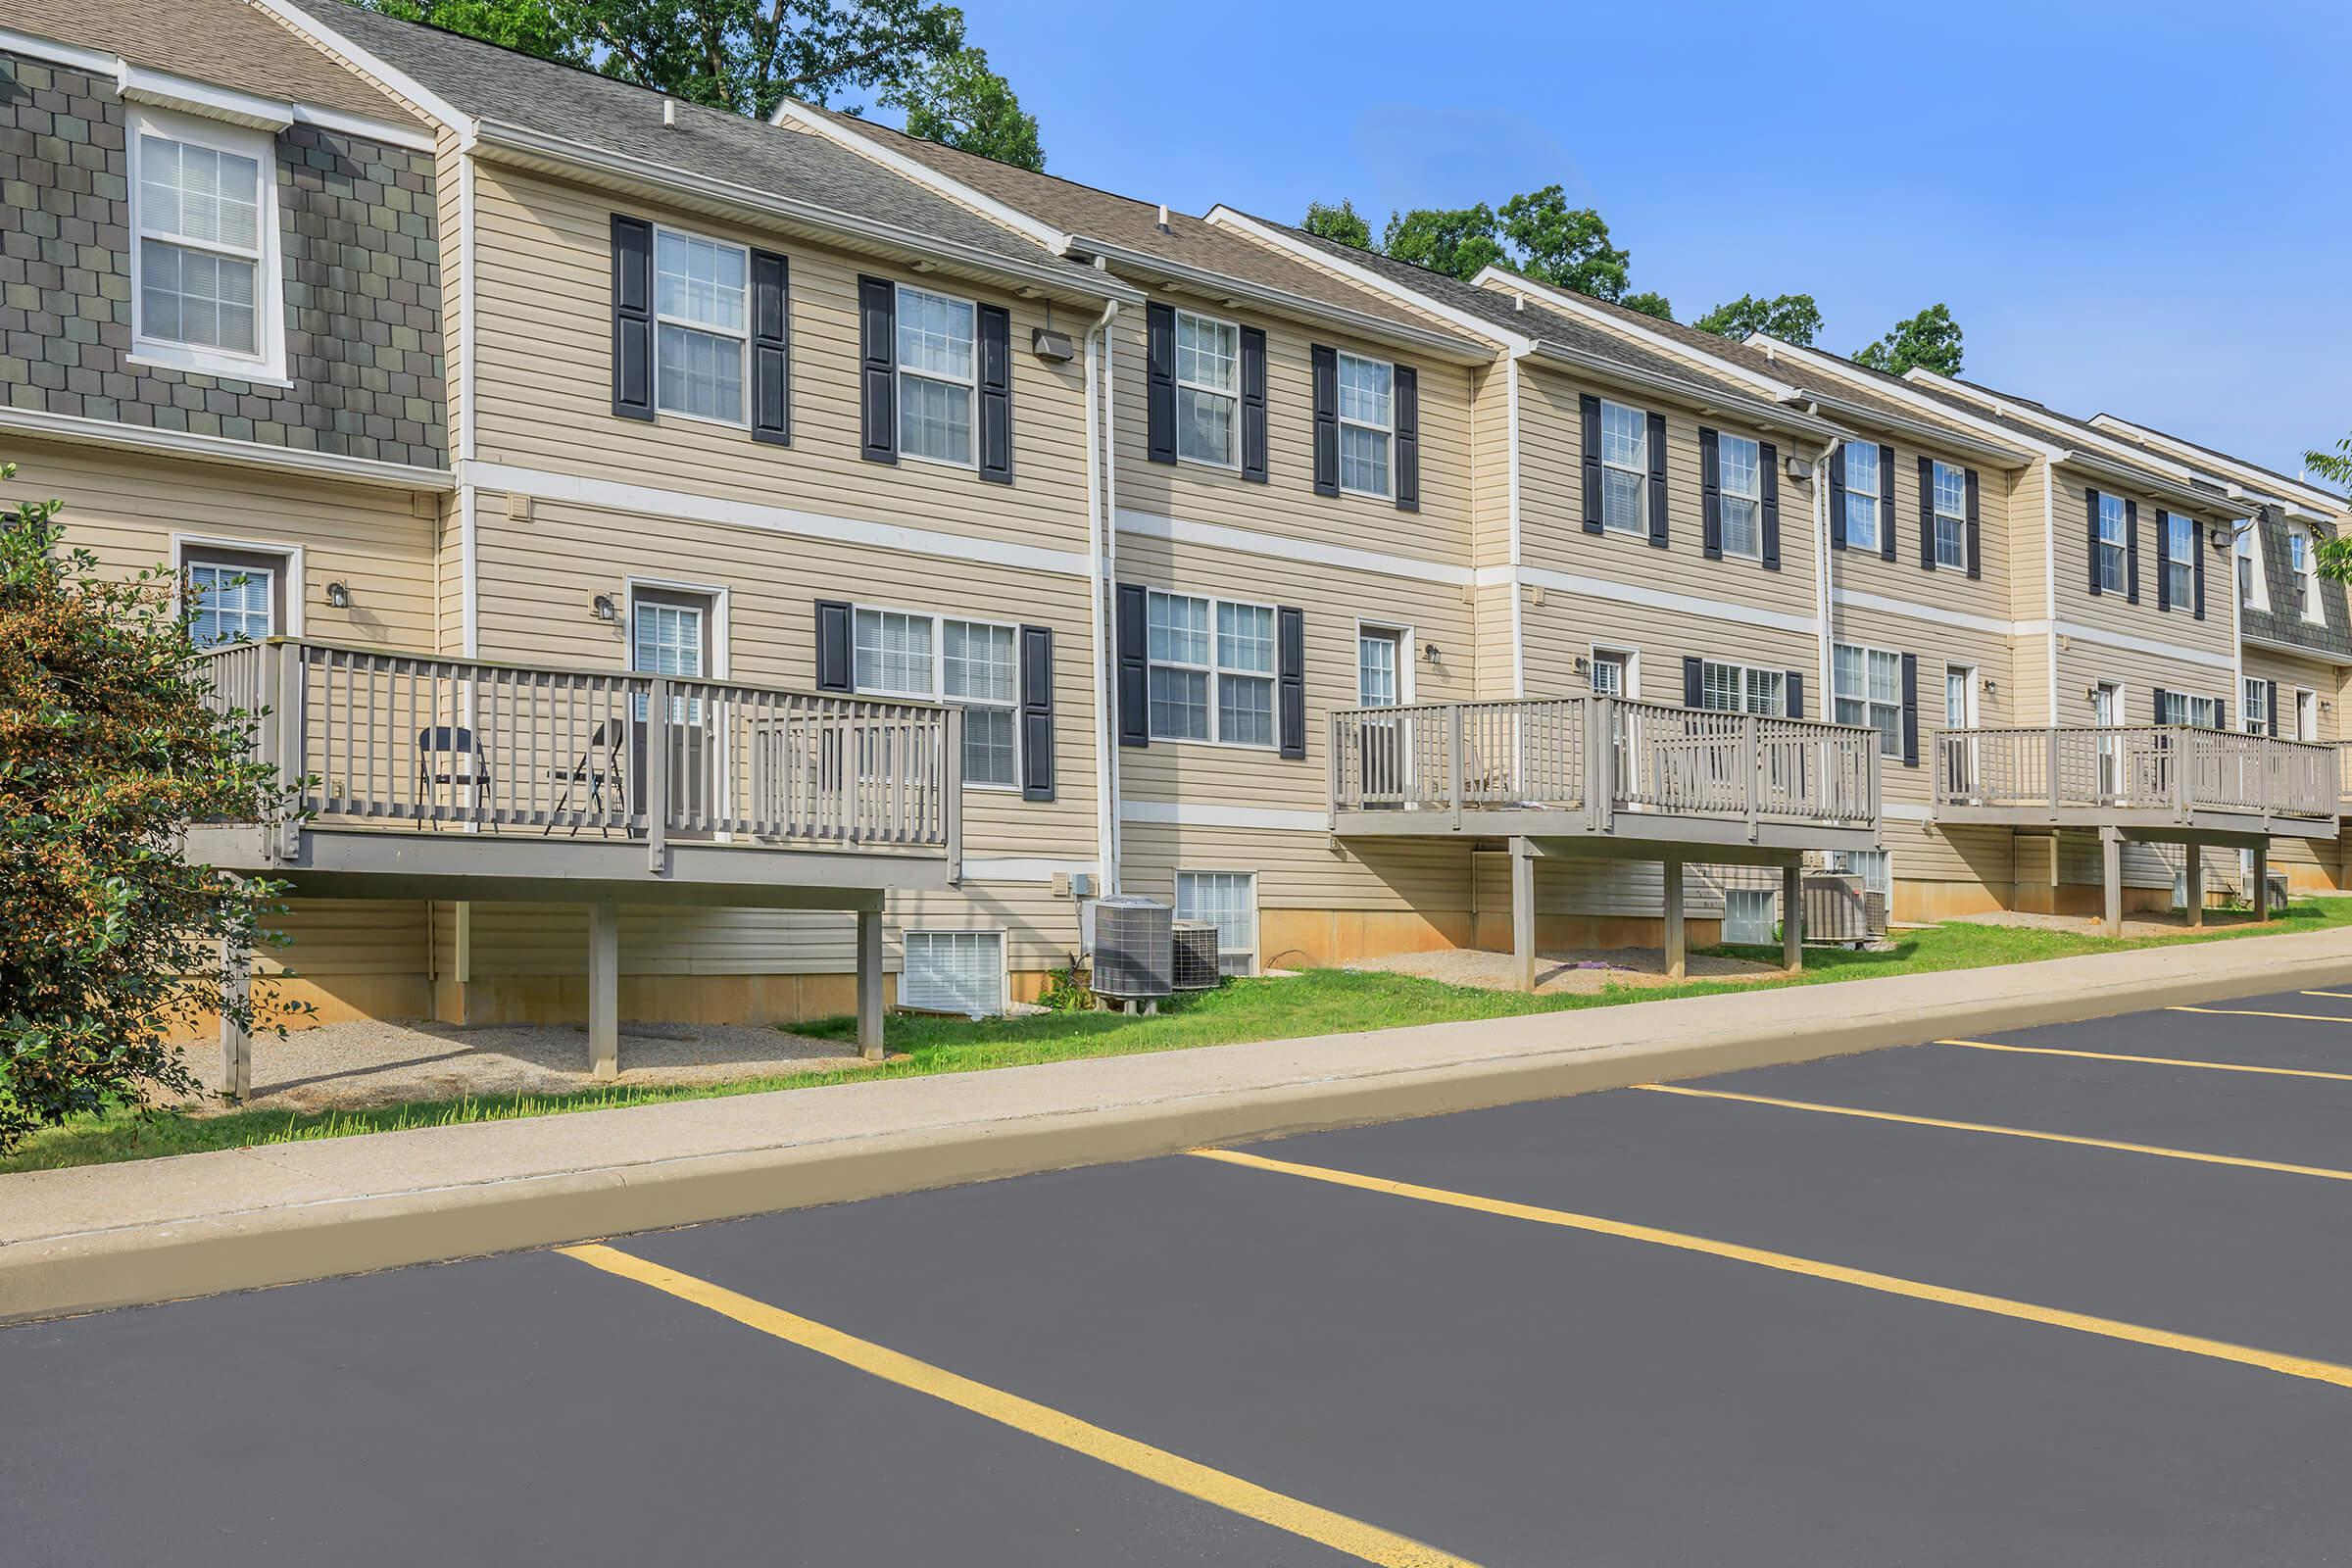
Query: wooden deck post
(604, 989)
(2111, 879)
(870, 984)
(2262, 880)
(2193, 895)
(1523, 914)
(236, 1039)
(1677, 946)
(1793, 917)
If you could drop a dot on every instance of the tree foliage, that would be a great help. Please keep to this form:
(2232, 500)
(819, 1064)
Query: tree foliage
(1649, 301)
(2336, 469)
(959, 100)
(1567, 247)
(1460, 241)
(1791, 318)
(1929, 340)
(1342, 224)
(108, 751)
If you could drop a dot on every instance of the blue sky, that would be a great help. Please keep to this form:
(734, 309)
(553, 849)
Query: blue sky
(2136, 209)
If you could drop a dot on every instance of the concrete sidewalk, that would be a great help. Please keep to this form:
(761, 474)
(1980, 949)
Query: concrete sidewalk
(106, 1236)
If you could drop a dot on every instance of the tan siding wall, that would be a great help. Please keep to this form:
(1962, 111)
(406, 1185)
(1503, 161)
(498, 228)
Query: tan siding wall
(1490, 466)
(1904, 578)
(449, 166)
(2113, 612)
(2290, 672)
(2029, 556)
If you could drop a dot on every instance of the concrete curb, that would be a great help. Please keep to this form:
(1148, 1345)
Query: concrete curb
(123, 1258)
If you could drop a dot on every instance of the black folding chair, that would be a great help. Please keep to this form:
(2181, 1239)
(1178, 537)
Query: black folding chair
(449, 754)
(599, 767)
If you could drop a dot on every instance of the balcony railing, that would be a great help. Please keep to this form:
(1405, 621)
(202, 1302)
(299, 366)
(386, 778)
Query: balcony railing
(1600, 757)
(2174, 769)
(364, 738)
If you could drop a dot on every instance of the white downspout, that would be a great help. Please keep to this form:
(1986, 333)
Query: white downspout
(1518, 591)
(1102, 535)
(1824, 586)
(2050, 578)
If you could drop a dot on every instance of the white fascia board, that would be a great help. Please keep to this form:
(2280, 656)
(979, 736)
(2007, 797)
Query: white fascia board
(1202, 813)
(398, 81)
(2317, 655)
(2098, 636)
(916, 172)
(1232, 291)
(74, 57)
(1633, 593)
(1282, 547)
(1242, 223)
(1503, 279)
(1769, 416)
(34, 423)
(1934, 615)
(2254, 478)
(414, 138)
(138, 84)
(2030, 446)
(2190, 499)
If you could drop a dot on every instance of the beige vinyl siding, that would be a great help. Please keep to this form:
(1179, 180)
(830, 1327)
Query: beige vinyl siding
(2028, 553)
(1286, 504)
(1498, 641)
(543, 255)
(1490, 465)
(2291, 671)
(448, 198)
(1990, 595)
(2113, 612)
(1567, 626)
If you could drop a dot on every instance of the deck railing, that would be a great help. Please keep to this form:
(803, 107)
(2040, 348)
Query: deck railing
(2343, 776)
(1601, 756)
(363, 737)
(2165, 768)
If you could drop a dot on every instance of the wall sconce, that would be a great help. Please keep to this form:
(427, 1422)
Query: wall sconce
(338, 596)
(604, 607)
(1584, 665)
(2221, 535)
(1990, 687)
(1429, 653)
(2091, 694)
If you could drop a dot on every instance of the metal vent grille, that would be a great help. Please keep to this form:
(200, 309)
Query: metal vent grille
(953, 972)
(1195, 947)
(1134, 952)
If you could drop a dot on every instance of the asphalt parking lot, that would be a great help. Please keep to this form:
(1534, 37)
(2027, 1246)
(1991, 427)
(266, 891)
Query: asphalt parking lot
(2064, 1294)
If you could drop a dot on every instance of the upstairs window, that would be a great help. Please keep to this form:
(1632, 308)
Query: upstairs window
(1741, 689)
(701, 321)
(2179, 559)
(937, 357)
(2114, 560)
(1951, 515)
(1868, 689)
(2247, 548)
(1208, 390)
(1367, 420)
(1862, 519)
(1211, 671)
(204, 269)
(2305, 562)
(2254, 705)
(233, 595)
(1741, 495)
(1624, 469)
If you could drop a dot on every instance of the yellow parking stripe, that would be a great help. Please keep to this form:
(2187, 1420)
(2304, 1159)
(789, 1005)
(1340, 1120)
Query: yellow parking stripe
(2153, 1061)
(2256, 1013)
(2340, 996)
(2293, 1367)
(1230, 1493)
(2007, 1132)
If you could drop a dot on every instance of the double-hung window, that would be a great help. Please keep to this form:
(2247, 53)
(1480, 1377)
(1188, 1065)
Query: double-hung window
(1741, 485)
(204, 260)
(1950, 501)
(1209, 388)
(2179, 559)
(937, 359)
(2306, 573)
(1867, 687)
(1741, 689)
(970, 663)
(2252, 591)
(2254, 707)
(702, 320)
(2113, 546)
(233, 596)
(2180, 708)
(1862, 519)
(1624, 469)
(1367, 421)
(1212, 670)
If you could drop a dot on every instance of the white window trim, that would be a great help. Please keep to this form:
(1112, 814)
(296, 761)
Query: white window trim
(1865, 699)
(1936, 468)
(898, 370)
(1875, 495)
(1633, 666)
(1757, 499)
(2248, 709)
(2307, 578)
(1217, 673)
(2258, 582)
(1233, 397)
(1387, 430)
(1641, 523)
(743, 419)
(184, 545)
(1004, 958)
(1844, 869)
(1747, 674)
(939, 675)
(1970, 718)
(1257, 924)
(1405, 659)
(720, 659)
(2123, 704)
(2121, 544)
(2306, 696)
(268, 366)
(2187, 599)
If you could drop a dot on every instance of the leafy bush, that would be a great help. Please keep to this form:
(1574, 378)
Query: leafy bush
(1067, 989)
(112, 943)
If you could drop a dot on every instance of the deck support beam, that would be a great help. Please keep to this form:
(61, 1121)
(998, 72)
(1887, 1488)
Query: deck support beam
(2262, 880)
(2192, 894)
(1523, 914)
(2111, 880)
(1793, 917)
(236, 1033)
(604, 989)
(870, 984)
(1678, 943)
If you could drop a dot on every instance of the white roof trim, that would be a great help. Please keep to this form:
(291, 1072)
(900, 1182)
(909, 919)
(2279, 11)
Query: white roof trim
(35, 424)
(789, 113)
(1503, 280)
(138, 84)
(1242, 222)
(1250, 541)
(2032, 446)
(72, 56)
(2071, 434)
(2249, 474)
(397, 80)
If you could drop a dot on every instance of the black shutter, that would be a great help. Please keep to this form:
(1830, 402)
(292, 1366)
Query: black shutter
(1886, 503)
(1588, 407)
(632, 318)
(1927, 513)
(1710, 495)
(1037, 712)
(995, 394)
(1976, 561)
(1159, 382)
(2164, 559)
(2196, 553)
(1289, 695)
(2221, 712)
(834, 669)
(771, 348)
(1910, 709)
(1694, 682)
(2131, 552)
(878, 335)
(2159, 700)
(1768, 470)
(1408, 439)
(1326, 363)
(1795, 689)
(1657, 480)
(2270, 695)
(1254, 404)
(2090, 507)
(1838, 499)
(1135, 670)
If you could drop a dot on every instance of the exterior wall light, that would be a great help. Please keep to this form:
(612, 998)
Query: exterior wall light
(604, 607)
(338, 596)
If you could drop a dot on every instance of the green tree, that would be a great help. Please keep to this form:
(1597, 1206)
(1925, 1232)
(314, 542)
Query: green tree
(1462, 241)
(2336, 469)
(1929, 340)
(108, 751)
(1649, 301)
(1342, 224)
(1567, 247)
(1791, 318)
(958, 100)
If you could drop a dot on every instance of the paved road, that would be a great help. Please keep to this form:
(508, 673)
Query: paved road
(1843, 1312)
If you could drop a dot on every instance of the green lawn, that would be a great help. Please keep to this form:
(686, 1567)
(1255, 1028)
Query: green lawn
(1319, 1002)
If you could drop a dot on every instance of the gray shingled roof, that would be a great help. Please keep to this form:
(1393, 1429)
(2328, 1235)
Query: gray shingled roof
(1980, 408)
(518, 89)
(2130, 440)
(225, 42)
